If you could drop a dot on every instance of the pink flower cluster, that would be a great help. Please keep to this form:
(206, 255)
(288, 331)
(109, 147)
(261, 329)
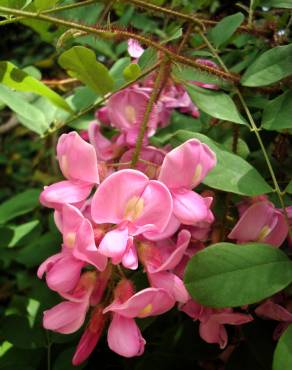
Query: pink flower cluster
(114, 219)
(130, 218)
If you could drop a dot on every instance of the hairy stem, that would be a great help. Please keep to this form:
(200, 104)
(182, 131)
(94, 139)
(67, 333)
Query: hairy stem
(153, 97)
(189, 17)
(120, 33)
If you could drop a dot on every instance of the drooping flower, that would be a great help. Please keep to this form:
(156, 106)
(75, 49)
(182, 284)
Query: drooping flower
(124, 336)
(90, 337)
(126, 110)
(63, 269)
(261, 222)
(212, 321)
(78, 163)
(67, 317)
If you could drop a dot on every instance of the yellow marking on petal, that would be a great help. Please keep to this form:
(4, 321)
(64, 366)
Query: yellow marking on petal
(70, 240)
(64, 165)
(134, 208)
(265, 231)
(146, 310)
(130, 113)
(197, 175)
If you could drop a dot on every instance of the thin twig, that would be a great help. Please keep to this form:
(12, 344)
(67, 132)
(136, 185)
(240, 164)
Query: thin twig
(9, 125)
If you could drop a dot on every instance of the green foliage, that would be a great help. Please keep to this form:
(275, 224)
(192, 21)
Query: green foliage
(31, 117)
(82, 64)
(277, 114)
(19, 205)
(19, 80)
(283, 356)
(217, 104)
(271, 66)
(230, 275)
(42, 103)
(222, 32)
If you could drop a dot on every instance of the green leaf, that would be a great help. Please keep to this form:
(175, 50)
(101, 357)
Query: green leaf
(19, 204)
(185, 74)
(132, 72)
(278, 3)
(231, 275)
(242, 147)
(18, 79)
(225, 29)
(21, 231)
(34, 118)
(283, 354)
(45, 4)
(289, 188)
(232, 173)
(271, 66)
(278, 112)
(82, 64)
(17, 330)
(216, 104)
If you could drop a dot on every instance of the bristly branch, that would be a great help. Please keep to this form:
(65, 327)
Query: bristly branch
(191, 18)
(107, 32)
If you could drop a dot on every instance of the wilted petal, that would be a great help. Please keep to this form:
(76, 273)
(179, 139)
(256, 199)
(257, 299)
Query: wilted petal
(273, 311)
(90, 337)
(213, 332)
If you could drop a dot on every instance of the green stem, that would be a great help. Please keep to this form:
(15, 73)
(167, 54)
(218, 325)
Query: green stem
(250, 13)
(253, 128)
(214, 52)
(153, 97)
(52, 10)
(106, 32)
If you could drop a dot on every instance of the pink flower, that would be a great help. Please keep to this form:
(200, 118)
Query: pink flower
(126, 110)
(272, 310)
(124, 336)
(78, 163)
(134, 208)
(182, 169)
(63, 269)
(212, 321)
(261, 222)
(105, 149)
(135, 50)
(164, 255)
(153, 156)
(90, 337)
(67, 317)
